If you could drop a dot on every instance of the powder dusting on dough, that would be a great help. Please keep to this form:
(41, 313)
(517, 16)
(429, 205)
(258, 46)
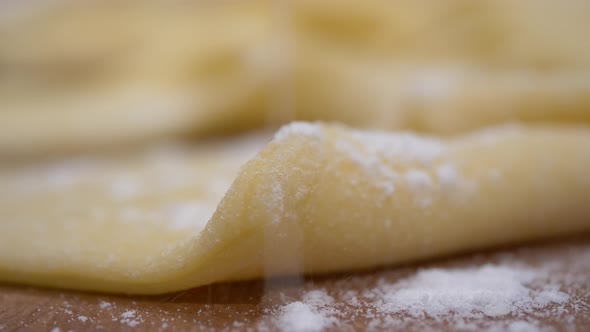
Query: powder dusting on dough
(187, 215)
(447, 174)
(418, 179)
(188, 182)
(406, 160)
(313, 313)
(299, 316)
(390, 149)
(300, 129)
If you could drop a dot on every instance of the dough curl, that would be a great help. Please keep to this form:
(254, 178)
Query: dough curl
(317, 199)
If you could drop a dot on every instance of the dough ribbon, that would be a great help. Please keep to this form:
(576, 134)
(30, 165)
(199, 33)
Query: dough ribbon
(317, 199)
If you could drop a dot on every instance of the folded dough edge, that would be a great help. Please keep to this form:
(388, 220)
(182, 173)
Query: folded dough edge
(323, 198)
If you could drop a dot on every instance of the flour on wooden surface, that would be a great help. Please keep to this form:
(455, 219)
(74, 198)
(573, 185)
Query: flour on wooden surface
(130, 318)
(105, 304)
(505, 296)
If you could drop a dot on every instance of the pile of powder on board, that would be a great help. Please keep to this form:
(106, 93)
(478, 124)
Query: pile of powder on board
(488, 297)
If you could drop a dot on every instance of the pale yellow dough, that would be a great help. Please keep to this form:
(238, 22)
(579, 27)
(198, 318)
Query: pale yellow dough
(442, 99)
(81, 75)
(316, 199)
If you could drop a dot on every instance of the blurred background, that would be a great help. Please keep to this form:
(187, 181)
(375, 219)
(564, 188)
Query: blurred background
(87, 75)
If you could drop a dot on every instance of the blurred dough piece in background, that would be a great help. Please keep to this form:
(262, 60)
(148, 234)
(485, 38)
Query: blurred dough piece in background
(437, 99)
(535, 34)
(443, 66)
(77, 75)
(82, 75)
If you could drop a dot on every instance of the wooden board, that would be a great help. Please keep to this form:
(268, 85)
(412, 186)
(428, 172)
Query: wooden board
(249, 305)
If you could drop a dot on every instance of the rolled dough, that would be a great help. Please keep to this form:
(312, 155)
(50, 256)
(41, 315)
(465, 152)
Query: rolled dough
(77, 76)
(317, 199)
(436, 98)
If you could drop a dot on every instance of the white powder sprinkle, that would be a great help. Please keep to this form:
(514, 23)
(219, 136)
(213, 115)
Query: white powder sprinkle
(298, 128)
(120, 185)
(318, 298)
(131, 322)
(188, 215)
(83, 319)
(506, 296)
(128, 314)
(491, 291)
(418, 179)
(447, 174)
(400, 147)
(522, 326)
(56, 329)
(129, 317)
(314, 313)
(302, 317)
(105, 304)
